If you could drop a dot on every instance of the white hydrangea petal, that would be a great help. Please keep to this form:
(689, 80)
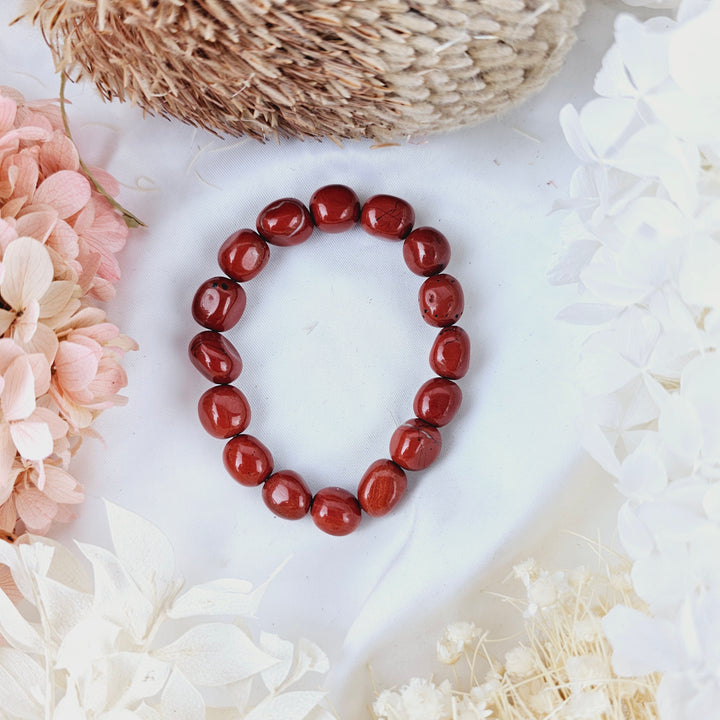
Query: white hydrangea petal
(612, 79)
(644, 48)
(643, 474)
(694, 53)
(641, 644)
(634, 534)
(605, 121)
(680, 427)
(134, 677)
(695, 282)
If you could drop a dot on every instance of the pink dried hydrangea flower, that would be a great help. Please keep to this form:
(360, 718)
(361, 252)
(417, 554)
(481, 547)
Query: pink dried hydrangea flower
(59, 357)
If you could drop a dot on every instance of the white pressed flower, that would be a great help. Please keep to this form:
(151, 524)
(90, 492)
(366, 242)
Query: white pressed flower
(389, 706)
(456, 640)
(588, 629)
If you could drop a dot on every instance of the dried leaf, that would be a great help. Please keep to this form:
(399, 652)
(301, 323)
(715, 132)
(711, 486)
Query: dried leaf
(215, 654)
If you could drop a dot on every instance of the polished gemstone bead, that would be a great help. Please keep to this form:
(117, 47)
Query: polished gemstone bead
(336, 511)
(450, 353)
(415, 444)
(426, 251)
(247, 460)
(215, 357)
(441, 300)
(218, 304)
(223, 411)
(437, 401)
(335, 208)
(388, 217)
(287, 495)
(381, 487)
(285, 222)
(243, 255)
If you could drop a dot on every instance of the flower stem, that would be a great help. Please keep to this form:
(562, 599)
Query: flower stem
(130, 220)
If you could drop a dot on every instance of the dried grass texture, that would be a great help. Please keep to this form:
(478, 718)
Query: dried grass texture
(379, 69)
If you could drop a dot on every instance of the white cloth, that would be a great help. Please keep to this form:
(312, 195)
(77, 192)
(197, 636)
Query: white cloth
(334, 348)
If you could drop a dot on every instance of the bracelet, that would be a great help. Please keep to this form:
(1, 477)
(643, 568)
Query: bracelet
(224, 411)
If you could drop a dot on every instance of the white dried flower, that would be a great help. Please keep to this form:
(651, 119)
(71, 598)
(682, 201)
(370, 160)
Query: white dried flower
(588, 629)
(457, 638)
(586, 671)
(520, 662)
(592, 705)
(133, 642)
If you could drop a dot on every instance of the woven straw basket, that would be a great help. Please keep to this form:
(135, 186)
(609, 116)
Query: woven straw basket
(381, 69)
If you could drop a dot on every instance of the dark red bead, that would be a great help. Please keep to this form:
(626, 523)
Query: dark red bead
(335, 208)
(336, 511)
(215, 357)
(381, 487)
(450, 353)
(426, 251)
(387, 217)
(287, 495)
(247, 460)
(285, 222)
(415, 444)
(218, 304)
(441, 300)
(437, 401)
(223, 411)
(243, 255)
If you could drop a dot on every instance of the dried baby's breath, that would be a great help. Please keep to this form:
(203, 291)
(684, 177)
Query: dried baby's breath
(560, 669)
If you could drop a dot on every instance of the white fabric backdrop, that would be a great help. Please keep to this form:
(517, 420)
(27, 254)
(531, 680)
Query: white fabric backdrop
(334, 349)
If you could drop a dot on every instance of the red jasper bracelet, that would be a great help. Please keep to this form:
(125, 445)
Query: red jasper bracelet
(224, 410)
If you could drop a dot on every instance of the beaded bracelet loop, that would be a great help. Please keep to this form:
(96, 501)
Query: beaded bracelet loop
(224, 410)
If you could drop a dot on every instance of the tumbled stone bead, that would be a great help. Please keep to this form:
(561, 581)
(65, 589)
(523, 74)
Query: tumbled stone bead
(441, 300)
(437, 401)
(218, 304)
(287, 495)
(450, 353)
(336, 511)
(243, 255)
(387, 217)
(335, 208)
(285, 222)
(426, 251)
(215, 357)
(247, 460)
(223, 411)
(381, 487)
(415, 444)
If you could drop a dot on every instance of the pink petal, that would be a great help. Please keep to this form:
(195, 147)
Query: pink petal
(28, 272)
(26, 324)
(38, 224)
(18, 395)
(57, 426)
(64, 240)
(35, 509)
(8, 516)
(9, 350)
(41, 372)
(67, 191)
(7, 234)
(7, 318)
(7, 457)
(108, 183)
(62, 487)
(59, 153)
(26, 174)
(8, 109)
(32, 439)
(43, 341)
(76, 363)
(6, 582)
